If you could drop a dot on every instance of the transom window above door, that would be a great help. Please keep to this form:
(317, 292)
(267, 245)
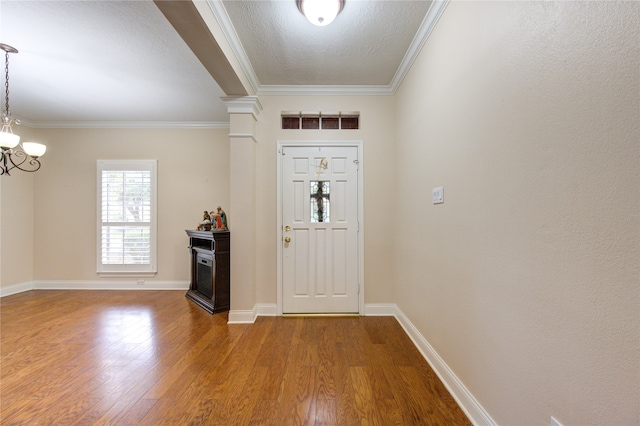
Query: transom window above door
(320, 120)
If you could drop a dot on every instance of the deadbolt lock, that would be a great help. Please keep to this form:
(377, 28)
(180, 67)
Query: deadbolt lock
(287, 228)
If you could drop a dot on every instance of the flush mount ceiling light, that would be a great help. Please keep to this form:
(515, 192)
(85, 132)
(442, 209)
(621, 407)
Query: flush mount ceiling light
(320, 12)
(14, 155)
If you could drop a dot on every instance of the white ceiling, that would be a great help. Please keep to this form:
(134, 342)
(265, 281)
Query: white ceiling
(363, 46)
(121, 63)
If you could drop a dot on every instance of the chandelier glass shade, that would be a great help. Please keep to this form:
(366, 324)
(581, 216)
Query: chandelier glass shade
(14, 155)
(320, 12)
(8, 139)
(34, 149)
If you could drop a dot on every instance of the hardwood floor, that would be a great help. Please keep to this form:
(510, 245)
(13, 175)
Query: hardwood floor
(147, 357)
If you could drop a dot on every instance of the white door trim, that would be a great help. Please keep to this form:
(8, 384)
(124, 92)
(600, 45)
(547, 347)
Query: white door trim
(323, 143)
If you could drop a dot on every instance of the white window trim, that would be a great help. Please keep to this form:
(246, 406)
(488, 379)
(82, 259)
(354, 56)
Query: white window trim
(131, 271)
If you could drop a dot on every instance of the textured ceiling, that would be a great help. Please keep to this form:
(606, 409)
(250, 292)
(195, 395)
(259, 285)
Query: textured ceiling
(87, 63)
(363, 46)
(106, 61)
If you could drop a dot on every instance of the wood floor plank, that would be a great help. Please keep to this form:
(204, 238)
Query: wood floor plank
(179, 368)
(262, 414)
(391, 412)
(363, 389)
(148, 358)
(132, 416)
(326, 412)
(346, 412)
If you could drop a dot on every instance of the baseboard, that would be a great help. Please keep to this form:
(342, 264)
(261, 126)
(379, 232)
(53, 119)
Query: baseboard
(271, 310)
(266, 310)
(380, 310)
(243, 317)
(16, 288)
(93, 285)
(471, 407)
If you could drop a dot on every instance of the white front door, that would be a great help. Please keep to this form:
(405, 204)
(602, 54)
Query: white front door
(320, 229)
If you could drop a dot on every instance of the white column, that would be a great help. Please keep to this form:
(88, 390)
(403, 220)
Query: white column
(243, 115)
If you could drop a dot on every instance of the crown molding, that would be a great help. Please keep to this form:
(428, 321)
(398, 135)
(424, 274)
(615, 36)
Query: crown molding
(311, 90)
(125, 124)
(229, 31)
(426, 28)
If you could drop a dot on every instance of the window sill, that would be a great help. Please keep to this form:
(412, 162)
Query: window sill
(126, 274)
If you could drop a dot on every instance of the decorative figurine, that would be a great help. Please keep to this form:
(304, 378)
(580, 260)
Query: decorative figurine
(216, 220)
(205, 224)
(223, 216)
(213, 221)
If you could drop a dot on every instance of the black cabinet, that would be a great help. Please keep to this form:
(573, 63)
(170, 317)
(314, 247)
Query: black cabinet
(210, 268)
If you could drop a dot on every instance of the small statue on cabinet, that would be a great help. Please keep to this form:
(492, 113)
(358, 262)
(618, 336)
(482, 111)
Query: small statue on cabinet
(223, 216)
(218, 219)
(205, 224)
(214, 220)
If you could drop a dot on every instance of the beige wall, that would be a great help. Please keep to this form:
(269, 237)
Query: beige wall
(376, 132)
(16, 223)
(193, 175)
(526, 279)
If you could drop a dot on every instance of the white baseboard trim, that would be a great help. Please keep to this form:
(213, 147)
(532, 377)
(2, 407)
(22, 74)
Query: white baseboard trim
(471, 407)
(271, 310)
(94, 285)
(243, 317)
(111, 285)
(266, 310)
(380, 310)
(16, 288)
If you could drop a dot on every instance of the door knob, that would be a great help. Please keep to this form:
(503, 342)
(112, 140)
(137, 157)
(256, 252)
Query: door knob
(287, 239)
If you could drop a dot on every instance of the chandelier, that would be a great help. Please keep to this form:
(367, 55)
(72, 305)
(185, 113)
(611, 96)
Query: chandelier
(15, 155)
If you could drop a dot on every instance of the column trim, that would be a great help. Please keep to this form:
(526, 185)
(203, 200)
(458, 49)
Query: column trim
(243, 105)
(243, 136)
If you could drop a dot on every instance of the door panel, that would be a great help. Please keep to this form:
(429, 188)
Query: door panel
(320, 207)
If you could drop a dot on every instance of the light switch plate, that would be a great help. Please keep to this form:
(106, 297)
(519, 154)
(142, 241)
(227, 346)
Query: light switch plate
(438, 195)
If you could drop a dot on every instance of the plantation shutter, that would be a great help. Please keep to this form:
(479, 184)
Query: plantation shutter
(126, 217)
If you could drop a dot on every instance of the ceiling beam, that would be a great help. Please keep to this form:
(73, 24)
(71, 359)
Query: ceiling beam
(187, 21)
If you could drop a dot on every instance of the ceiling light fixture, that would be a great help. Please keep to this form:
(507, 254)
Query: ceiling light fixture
(320, 12)
(13, 155)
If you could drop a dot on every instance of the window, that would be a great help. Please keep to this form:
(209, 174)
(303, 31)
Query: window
(310, 122)
(127, 217)
(320, 206)
(324, 121)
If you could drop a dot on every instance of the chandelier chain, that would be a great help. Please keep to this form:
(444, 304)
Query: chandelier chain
(6, 83)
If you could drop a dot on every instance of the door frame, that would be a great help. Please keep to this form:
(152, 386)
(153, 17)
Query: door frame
(310, 144)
